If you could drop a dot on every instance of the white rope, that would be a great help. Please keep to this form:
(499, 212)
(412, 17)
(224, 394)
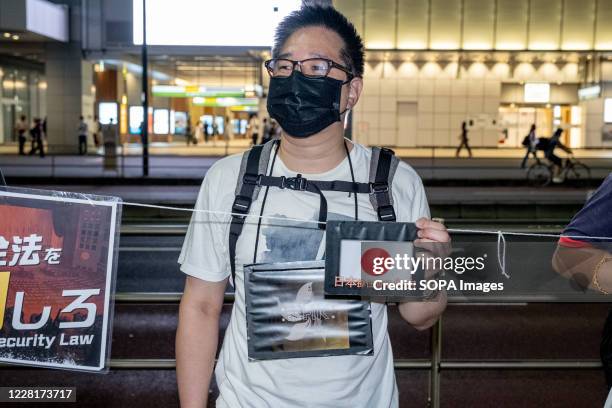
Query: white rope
(269, 217)
(458, 230)
(501, 239)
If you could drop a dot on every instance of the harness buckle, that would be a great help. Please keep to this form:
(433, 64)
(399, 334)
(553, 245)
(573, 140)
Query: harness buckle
(241, 204)
(376, 188)
(294, 183)
(386, 213)
(252, 179)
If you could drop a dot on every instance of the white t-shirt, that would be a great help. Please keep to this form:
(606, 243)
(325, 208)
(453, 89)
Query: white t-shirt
(338, 381)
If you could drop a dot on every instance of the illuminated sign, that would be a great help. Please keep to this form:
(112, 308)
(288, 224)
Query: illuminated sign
(190, 91)
(135, 119)
(590, 92)
(225, 102)
(173, 22)
(107, 111)
(161, 121)
(536, 93)
(608, 110)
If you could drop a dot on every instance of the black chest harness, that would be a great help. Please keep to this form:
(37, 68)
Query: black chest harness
(252, 177)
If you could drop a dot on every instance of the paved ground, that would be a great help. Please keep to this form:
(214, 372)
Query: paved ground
(220, 148)
(194, 167)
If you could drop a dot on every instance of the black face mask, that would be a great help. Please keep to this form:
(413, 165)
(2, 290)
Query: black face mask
(304, 106)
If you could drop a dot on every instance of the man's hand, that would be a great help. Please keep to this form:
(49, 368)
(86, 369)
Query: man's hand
(433, 237)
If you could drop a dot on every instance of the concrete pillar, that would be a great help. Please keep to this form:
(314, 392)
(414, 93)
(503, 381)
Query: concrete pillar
(69, 95)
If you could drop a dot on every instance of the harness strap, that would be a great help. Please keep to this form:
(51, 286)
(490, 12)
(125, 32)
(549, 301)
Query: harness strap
(242, 202)
(252, 177)
(382, 170)
(299, 183)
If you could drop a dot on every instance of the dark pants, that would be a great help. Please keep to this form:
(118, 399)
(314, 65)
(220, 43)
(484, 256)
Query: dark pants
(529, 151)
(255, 138)
(464, 142)
(191, 139)
(606, 349)
(96, 140)
(82, 144)
(22, 141)
(550, 155)
(37, 146)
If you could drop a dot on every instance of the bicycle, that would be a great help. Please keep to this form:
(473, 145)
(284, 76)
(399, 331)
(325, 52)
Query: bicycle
(573, 172)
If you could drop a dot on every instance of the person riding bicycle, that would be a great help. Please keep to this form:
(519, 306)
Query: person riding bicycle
(548, 145)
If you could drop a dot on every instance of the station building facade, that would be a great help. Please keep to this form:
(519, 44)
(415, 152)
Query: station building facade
(498, 65)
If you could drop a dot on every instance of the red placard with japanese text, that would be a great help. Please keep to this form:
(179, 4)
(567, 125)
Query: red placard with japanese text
(57, 261)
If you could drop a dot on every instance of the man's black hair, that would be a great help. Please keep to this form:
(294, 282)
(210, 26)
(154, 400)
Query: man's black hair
(352, 53)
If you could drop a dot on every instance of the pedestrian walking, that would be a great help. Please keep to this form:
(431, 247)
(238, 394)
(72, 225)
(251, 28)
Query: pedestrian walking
(464, 140)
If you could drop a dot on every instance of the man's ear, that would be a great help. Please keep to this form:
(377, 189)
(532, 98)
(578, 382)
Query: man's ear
(355, 88)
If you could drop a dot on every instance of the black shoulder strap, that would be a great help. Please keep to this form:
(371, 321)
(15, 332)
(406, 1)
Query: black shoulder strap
(254, 163)
(382, 170)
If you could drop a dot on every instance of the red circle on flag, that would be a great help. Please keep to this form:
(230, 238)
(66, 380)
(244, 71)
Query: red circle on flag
(367, 261)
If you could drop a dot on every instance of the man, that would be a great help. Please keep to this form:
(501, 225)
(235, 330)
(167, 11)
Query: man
(254, 129)
(97, 132)
(316, 50)
(36, 133)
(21, 127)
(82, 131)
(588, 261)
(266, 136)
(464, 140)
(530, 142)
(549, 146)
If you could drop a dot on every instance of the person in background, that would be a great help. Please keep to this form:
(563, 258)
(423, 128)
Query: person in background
(82, 130)
(588, 261)
(549, 152)
(464, 140)
(530, 142)
(228, 129)
(266, 131)
(215, 130)
(21, 127)
(198, 132)
(97, 131)
(189, 134)
(206, 131)
(254, 128)
(37, 138)
(110, 138)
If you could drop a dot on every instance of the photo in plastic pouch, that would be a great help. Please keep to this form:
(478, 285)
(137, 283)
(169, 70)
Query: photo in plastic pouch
(351, 246)
(288, 315)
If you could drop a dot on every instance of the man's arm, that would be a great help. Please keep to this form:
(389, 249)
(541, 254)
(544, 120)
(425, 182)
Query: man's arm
(581, 263)
(423, 315)
(196, 339)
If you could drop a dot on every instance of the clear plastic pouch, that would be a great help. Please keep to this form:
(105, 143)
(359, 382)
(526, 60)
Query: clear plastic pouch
(58, 261)
(288, 315)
